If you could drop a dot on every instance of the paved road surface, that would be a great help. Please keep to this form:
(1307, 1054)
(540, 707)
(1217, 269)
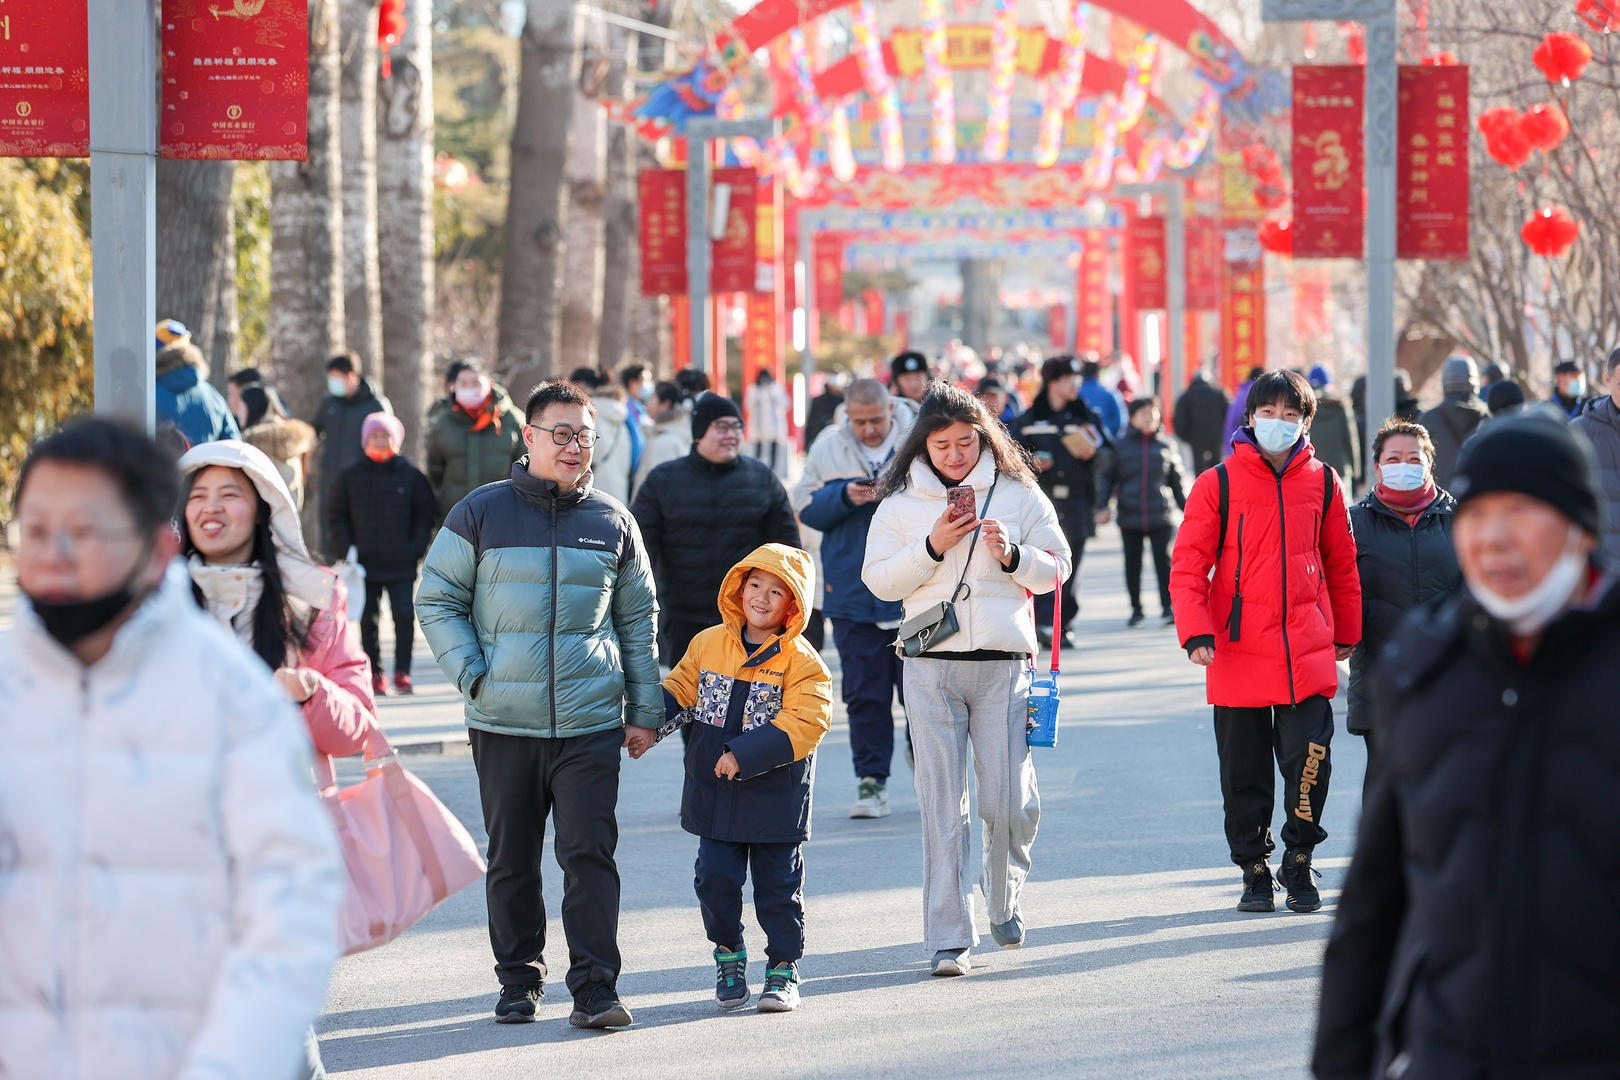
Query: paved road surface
(1136, 963)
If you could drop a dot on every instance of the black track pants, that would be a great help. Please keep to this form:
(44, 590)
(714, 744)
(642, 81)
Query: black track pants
(1299, 738)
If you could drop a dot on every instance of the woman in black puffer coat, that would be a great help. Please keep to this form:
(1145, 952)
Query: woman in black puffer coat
(1143, 477)
(1403, 551)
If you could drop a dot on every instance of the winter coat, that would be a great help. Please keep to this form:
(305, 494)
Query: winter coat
(1295, 572)
(1334, 435)
(699, 519)
(766, 406)
(169, 881)
(185, 399)
(994, 610)
(386, 510)
(668, 440)
(1143, 475)
(1601, 424)
(285, 442)
(539, 607)
(610, 459)
(461, 460)
(338, 421)
(769, 708)
(1401, 567)
(1480, 919)
(1071, 482)
(820, 415)
(822, 503)
(1106, 404)
(1200, 419)
(1449, 424)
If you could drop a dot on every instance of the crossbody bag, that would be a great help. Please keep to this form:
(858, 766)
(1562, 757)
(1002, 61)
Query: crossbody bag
(936, 624)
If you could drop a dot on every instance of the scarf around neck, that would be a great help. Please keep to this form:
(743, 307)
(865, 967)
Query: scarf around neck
(1409, 504)
(484, 416)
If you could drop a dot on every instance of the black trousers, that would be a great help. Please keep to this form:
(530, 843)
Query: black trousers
(871, 683)
(722, 868)
(521, 782)
(399, 602)
(1160, 539)
(1299, 738)
(1075, 532)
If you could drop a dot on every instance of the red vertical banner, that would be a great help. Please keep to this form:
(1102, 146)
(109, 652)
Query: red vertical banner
(680, 330)
(763, 334)
(235, 80)
(734, 257)
(1204, 270)
(44, 79)
(1057, 326)
(1147, 263)
(902, 329)
(1329, 210)
(662, 199)
(1094, 332)
(827, 255)
(1431, 167)
(875, 311)
(1243, 321)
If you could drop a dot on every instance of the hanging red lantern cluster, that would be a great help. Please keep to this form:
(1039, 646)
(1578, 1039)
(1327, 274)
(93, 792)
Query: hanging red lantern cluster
(1601, 15)
(1277, 236)
(1355, 41)
(1505, 139)
(1550, 231)
(1562, 56)
(1544, 126)
(1270, 186)
(390, 32)
(1446, 58)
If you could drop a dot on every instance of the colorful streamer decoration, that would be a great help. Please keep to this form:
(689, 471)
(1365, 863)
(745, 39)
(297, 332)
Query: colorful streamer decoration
(1003, 72)
(840, 156)
(804, 80)
(730, 107)
(1064, 89)
(869, 52)
(1138, 77)
(941, 91)
(1185, 150)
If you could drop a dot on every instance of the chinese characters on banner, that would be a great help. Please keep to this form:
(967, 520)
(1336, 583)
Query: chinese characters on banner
(1205, 265)
(1057, 325)
(663, 231)
(828, 256)
(1329, 209)
(733, 258)
(1431, 177)
(1243, 321)
(1147, 263)
(235, 80)
(1095, 332)
(763, 332)
(44, 79)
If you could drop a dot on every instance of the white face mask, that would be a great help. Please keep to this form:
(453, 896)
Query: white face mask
(337, 386)
(1404, 476)
(1529, 613)
(1275, 436)
(471, 398)
(1577, 388)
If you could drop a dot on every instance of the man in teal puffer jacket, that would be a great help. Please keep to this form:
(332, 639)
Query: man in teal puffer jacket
(537, 599)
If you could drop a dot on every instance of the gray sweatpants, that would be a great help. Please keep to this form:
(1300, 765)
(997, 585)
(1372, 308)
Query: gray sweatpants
(982, 703)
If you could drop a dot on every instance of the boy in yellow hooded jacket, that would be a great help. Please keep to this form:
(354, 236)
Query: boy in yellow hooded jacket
(759, 700)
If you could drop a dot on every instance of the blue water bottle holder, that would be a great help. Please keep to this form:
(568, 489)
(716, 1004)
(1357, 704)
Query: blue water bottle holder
(1041, 711)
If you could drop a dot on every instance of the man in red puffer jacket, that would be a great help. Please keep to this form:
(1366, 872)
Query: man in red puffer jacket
(1283, 604)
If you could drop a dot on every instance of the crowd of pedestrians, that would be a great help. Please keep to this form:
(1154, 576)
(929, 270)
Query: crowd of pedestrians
(622, 559)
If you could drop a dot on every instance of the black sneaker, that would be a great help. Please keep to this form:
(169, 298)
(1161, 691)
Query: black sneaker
(597, 1006)
(1298, 877)
(731, 978)
(517, 1003)
(1258, 888)
(1136, 619)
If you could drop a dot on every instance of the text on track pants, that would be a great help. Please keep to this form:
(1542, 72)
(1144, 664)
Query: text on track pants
(952, 704)
(1299, 738)
(576, 782)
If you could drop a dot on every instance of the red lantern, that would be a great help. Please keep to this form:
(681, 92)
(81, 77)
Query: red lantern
(390, 32)
(1544, 126)
(1601, 15)
(1562, 57)
(1550, 231)
(1277, 236)
(1509, 147)
(1442, 59)
(1498, 119)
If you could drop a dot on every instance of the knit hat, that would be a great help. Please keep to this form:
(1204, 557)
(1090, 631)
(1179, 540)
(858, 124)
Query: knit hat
(1536, 456)
(906, 363)
(1459, 375)
(1503, 394)
(709, 408)
(1059, 366)
(381, 421)
(1320, 377)
(1567, 367)
(170, 331)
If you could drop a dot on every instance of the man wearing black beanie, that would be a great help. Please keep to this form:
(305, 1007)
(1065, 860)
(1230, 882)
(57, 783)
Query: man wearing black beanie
(1495, 811)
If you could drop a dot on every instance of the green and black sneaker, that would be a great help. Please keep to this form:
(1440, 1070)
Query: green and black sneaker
(781, 993)
(731, 978)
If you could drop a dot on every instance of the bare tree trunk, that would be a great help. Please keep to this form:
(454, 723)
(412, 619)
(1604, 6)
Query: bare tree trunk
(620, 239)
(584, 228)
(362, 293)
(535, 206)
(196, 257)
(405, 222)
(649, 315)
(306, 233)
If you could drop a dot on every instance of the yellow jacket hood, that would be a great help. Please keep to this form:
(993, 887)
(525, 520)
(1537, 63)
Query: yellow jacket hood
(788, 563)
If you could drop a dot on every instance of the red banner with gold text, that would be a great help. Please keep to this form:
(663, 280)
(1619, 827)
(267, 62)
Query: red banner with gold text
(1329, 210)
(663, 231)
(1243, 321)
(235, 80)
(828, 257)
(733, 257)
(1205, 264)
(1431, 169)
(44, 79)
(1147, 264)
(1094, 331)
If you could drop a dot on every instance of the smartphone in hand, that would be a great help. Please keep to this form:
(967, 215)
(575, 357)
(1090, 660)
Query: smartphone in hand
(961, 502)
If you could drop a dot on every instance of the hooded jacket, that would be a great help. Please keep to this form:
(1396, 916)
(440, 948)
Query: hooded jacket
(185, 399)
(770, 708)
(615, 450)
(1601, 424)
(461, 460)
(1144, 476)
(338, 422)
(169, 881)
(822, 502)
(1295, 572)
(285, 442)
(994, 611)
(1200, 420)
(539, 607)
(669, 439)
(1449, 424)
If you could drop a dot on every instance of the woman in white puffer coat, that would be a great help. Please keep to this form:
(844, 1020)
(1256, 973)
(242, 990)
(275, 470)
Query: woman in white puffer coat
(970, 689)
(169, 881)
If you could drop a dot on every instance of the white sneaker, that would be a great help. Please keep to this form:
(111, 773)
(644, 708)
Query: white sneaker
(871, 801)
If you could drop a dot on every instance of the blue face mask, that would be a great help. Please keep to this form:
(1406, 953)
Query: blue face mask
(1275, 436)
(1404, 476)
(337, 386)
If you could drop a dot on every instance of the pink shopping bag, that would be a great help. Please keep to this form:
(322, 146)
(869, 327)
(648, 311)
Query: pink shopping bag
(404, 850)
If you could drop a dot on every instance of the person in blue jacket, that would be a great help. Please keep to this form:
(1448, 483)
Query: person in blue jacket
(1106, 403)
(183, 396)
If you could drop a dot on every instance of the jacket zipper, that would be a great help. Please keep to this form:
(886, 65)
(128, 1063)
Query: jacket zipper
(551, 638)
(1288, 651)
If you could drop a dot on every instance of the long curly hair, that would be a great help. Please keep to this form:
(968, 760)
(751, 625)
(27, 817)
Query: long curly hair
(943, 406)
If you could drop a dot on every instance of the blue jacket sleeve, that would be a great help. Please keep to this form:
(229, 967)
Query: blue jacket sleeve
(828, 507)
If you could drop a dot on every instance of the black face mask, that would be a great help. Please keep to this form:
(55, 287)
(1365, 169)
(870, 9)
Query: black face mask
(71, 621)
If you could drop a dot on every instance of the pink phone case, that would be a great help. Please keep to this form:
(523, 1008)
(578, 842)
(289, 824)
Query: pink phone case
(961, 502)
